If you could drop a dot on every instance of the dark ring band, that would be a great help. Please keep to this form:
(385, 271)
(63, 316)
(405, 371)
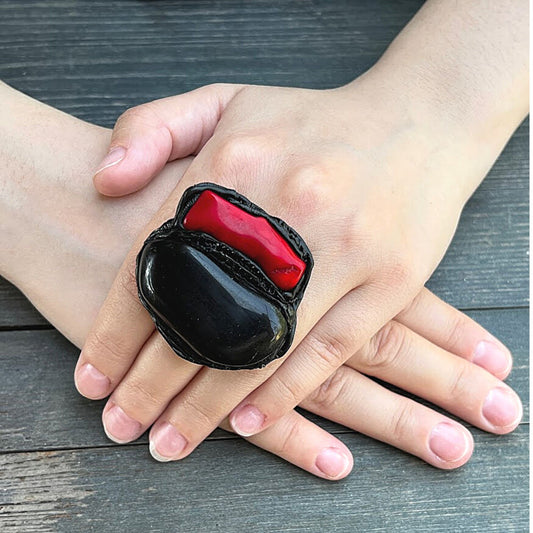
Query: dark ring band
(222, 280)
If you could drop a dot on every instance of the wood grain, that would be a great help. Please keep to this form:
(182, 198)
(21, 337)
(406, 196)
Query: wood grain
(229, 486)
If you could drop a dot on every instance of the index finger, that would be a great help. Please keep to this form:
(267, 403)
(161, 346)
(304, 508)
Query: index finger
(122, 326)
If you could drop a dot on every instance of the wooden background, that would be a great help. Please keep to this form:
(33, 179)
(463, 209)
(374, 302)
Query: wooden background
(59, 472)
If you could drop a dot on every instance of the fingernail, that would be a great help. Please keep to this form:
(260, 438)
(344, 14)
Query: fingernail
(332, 462)
(502, 408)
(247, 420)
(491, 357)
(114, 156)
(91, 382)
(120, 427)
(166, 442)
(448, 442)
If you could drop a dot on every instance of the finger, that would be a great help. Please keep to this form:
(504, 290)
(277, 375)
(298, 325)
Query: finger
(146, 137)
(156, 376)
(357, 402)
(338, 334)
(203, 405)
(457, 333)
(118, 333)
(403, 358)
(122, 326)
(302, 443)
(293, 438)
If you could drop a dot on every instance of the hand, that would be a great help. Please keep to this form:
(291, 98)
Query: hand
(357, 191)
(80, 269)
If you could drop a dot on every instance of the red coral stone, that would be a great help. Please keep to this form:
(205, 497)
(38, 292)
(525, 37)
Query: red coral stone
(251, 235)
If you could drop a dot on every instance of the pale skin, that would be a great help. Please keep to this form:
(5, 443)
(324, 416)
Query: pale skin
(413, 122)
(63, 244)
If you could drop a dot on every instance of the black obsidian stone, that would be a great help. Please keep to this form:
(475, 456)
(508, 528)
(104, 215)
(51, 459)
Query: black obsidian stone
(213, 305)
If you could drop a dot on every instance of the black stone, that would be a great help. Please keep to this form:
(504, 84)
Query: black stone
(212, 304)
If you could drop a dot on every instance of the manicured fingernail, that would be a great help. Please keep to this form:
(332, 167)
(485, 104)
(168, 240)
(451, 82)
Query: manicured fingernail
(114, 156)
(491, 357)
(247, 420)
(448, 442)
(332, 462)
(120, 427)
(91, 382)
(502, 408)
(166, 442)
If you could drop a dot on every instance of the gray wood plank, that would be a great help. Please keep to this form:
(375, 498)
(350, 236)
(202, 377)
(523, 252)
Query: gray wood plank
(61, 50)
(245, 489)
(15, 308)
(42, 410)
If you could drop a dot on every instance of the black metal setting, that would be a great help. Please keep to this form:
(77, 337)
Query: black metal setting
(212, 304)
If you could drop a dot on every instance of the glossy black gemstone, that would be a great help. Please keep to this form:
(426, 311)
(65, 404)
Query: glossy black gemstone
(204, 314)
(212, 303)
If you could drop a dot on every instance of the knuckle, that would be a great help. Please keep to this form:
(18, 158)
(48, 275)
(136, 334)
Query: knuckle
(288, 393)
(194, 410)
(412, 307)
(238, 154)
(353, 238)
(140, 115)
(387, 345)
(290, 438)
(456, 330)
(399, 273)
(141, 398)
(332, 392)
(403, 419)
(309, 190)
(218, 86)
(105, 346)
(329, 350)
(461, 383)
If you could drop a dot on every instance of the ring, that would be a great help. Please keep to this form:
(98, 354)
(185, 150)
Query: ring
(223, 279)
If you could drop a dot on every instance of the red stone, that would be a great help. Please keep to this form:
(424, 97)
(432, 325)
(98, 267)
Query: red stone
(251, 235)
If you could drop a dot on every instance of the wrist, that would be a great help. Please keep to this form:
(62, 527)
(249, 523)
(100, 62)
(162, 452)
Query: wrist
(466, 136)
(414, 149)
(456, 73)
(48, 159)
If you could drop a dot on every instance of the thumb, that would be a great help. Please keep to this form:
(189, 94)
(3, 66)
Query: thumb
(146, 137)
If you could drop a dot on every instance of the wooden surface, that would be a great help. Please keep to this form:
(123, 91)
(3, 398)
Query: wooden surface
(59, 473)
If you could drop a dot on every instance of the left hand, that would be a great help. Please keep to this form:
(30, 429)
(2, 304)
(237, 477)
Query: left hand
(376, 198)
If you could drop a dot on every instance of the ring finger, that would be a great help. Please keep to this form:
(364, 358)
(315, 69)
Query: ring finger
(403, 358)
